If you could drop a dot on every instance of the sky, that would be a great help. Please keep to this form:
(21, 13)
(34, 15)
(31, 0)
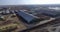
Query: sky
(28, 2)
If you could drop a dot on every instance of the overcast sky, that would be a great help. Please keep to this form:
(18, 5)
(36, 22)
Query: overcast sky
(28, 2)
